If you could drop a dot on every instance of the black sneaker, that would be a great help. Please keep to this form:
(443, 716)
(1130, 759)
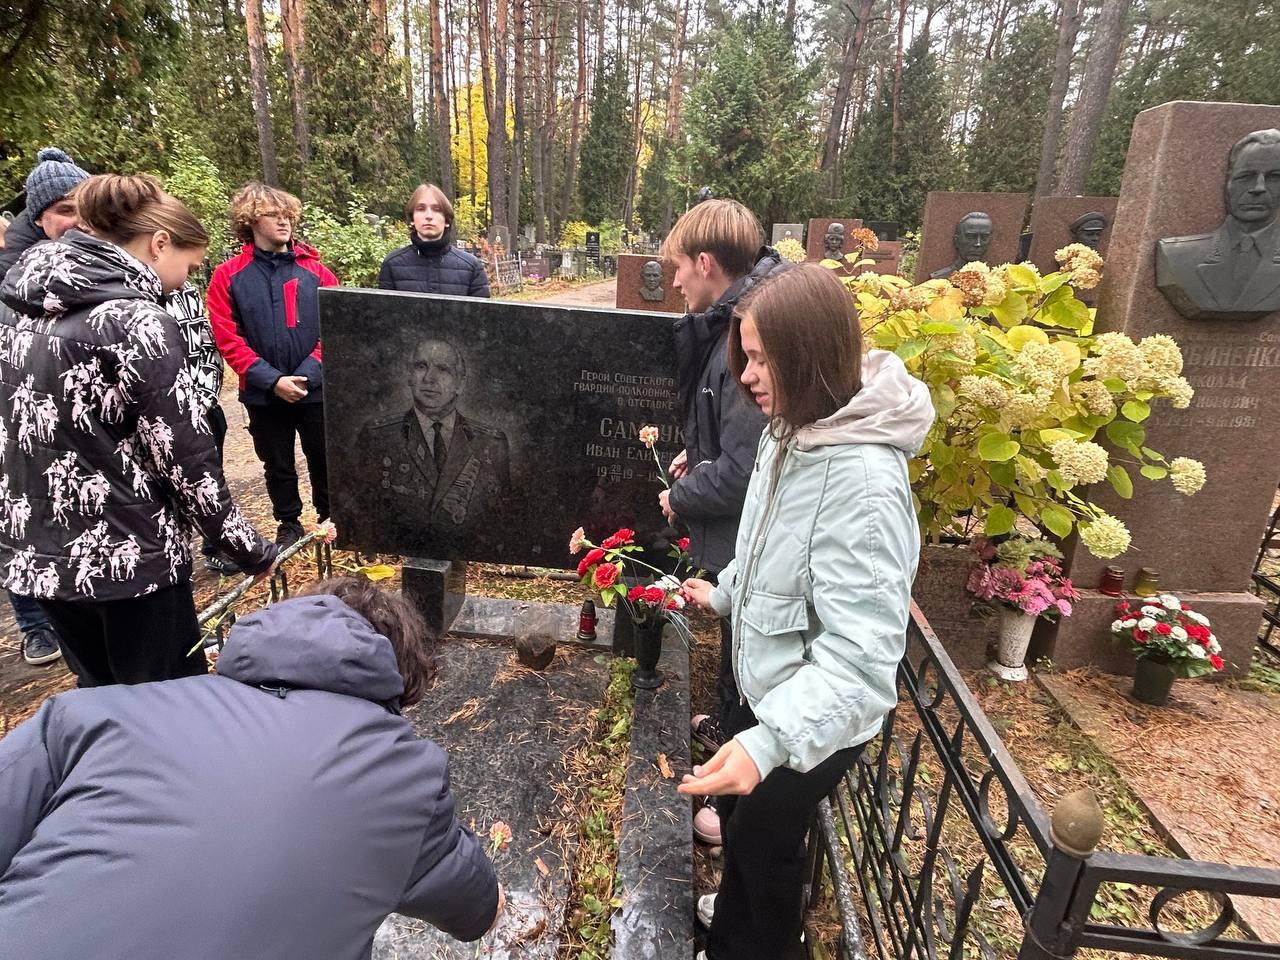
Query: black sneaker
(219, 562)
(40, 645)
(706, 730)
(289, 533)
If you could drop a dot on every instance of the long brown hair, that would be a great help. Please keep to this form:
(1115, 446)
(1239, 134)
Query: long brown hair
(396, 619)
(120, 208)
(809, 332)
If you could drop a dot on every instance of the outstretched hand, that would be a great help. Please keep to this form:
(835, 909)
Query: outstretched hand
(697, 592)
(730, 772)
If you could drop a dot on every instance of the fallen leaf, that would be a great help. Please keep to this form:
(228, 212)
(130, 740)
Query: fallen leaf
(542, 867)
(665, 768)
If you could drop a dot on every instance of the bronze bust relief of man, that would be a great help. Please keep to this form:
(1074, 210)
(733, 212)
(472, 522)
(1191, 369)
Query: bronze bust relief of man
(651, 281)
(833, 248)
(971, 238)
(1088, 229)
(1234, 272)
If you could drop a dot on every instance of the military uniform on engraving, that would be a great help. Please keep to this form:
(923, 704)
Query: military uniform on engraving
(1234, 272)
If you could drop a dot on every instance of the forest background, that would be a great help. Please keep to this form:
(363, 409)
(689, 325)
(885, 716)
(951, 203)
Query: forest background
(564, 113)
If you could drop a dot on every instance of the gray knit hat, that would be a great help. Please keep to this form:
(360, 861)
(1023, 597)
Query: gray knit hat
(51, 179)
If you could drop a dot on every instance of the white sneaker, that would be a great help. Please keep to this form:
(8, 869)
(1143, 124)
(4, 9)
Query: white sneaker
(706, 909)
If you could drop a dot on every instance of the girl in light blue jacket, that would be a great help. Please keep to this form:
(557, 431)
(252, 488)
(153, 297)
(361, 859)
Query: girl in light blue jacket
(819, 592)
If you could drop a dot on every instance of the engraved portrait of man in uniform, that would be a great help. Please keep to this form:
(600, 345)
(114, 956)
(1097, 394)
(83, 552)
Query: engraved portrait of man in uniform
(1234, 272)
(970, 239)
(1088, 229)
(437, 470)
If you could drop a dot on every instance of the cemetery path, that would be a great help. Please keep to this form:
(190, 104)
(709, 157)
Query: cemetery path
(592, 295)
(1204, 767)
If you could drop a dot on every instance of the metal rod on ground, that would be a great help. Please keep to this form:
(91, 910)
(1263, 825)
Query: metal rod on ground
(220, 606)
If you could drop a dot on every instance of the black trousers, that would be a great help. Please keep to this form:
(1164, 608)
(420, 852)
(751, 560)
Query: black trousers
(217, 421)
(760, 911)
(273, 428)
(134, 640)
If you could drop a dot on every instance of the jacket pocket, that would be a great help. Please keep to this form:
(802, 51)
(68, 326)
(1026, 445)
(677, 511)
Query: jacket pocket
(772, 614)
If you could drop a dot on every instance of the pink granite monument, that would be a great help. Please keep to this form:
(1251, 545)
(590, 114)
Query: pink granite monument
(644, 283)
(963, 227)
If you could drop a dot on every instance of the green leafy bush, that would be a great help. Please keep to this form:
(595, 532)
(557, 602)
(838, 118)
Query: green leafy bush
(354, 250)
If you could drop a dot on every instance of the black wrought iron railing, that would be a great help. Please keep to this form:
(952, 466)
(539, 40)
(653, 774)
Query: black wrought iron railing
(217, 618)
(1267, 586)
(936, 823)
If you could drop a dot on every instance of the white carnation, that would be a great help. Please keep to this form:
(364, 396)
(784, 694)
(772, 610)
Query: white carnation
(1131, 622)
(1169, 601)
(1149, 611)
(1116, 626)
(1179, 633)
(1197, 651)
(1214, 646)
(1146, 623)
(1199, 618)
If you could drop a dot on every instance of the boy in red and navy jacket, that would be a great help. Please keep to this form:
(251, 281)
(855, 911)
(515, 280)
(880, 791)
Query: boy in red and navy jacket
(266, 320)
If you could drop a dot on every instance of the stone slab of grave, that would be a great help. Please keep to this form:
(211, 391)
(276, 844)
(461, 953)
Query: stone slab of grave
(645, 283)
(883, 229)
(1058, 221)
(951, 238)
(593, 248)
(820, 229)
(1172, 205)
(500, 236)
(886, 258)
(787, 231)
(535, 266)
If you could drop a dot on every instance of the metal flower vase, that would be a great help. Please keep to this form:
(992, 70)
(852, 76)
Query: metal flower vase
(648, 649)
(1152, 682)
(1011, 649)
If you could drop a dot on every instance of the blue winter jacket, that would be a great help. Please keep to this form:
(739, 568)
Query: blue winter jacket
(433, 266)
(279, 810)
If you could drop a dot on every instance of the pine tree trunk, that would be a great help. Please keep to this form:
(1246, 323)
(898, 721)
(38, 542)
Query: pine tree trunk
(293, 26)
(408, 67)
(675, 94)
(1095, 87)
(484, 84)
(539, 79)
(1068, 28)
(498, 118)
(261, 100)
(579, 105)
(840, 106)
(378, 13)
(897, 81)
(550, 111)
(440, 104)
(519, 10)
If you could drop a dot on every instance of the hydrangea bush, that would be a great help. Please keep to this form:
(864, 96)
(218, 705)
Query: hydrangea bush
(1024, 391)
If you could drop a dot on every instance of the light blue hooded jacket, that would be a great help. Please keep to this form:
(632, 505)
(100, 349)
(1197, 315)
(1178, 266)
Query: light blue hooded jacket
(819, 590)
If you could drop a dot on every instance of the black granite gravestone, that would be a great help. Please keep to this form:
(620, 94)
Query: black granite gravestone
(593, 248)
(487, 430)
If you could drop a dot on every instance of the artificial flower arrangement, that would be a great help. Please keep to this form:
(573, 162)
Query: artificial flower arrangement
(1165, 630)
(604, 569)
(1024, 575)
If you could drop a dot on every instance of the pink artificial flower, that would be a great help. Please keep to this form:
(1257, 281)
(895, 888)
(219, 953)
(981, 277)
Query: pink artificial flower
(575, 541)
(649, 436)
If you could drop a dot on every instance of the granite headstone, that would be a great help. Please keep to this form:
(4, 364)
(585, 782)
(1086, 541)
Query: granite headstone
(943, 211)
(821, 234)
(1052, 219)
(885, 259)
(1203, 547)
(883, 229)
(788, 231)
(538, 410)
(645, 283)
(593, 248)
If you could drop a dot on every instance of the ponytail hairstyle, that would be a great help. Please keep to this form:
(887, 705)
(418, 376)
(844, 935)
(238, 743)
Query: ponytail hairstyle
(120, 208)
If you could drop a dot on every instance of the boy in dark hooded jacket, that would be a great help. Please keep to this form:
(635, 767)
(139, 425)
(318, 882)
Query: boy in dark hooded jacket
(280, 809)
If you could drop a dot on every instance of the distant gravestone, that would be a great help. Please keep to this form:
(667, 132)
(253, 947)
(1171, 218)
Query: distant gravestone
(593, 248)
(539, 411)
(886, 258)
(1179, 166)
(645, 283)
(500, 236)
(830, 239)
(788, 231)
(538, 266)
(883, 229)
(954, 233)
(1058, 221)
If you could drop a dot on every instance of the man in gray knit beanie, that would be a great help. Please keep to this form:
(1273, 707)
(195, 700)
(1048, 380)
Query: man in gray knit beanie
(50, 212)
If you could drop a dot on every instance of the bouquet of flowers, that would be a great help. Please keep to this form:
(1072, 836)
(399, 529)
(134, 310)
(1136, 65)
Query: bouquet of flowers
(604, 569)
(1166, 630)
(1022, 574)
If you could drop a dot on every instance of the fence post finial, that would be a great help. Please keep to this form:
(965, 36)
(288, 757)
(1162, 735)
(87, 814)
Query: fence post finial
(1077, 823)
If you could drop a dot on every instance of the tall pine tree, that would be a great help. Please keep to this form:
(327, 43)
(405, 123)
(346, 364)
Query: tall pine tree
(607, 148)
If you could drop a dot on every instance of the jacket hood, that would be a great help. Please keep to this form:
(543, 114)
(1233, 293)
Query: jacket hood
(892, 408)
(312, 643)
(297, 250)
(77, 272)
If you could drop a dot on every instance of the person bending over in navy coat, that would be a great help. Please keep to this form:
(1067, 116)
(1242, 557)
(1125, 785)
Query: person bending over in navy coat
(279, 809)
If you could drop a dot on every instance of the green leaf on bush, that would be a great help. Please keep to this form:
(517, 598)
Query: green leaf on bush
(1010, 311)
(1000, 520)
(910, 348)
(1154, 473)
(1136, 410)
(1125, 434)
(1121, 482)
(1026, 506)
(1058, 520)
(1025, 333)
(998, 447)
(1003, 473)
(1021, 275)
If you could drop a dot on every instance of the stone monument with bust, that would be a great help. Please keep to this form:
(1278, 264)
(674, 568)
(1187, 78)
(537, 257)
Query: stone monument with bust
(651, 282)
(1088, 229)
(833, 242)
(1232, 273)
(971, 240)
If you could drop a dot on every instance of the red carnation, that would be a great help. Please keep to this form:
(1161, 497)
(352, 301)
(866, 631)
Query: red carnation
(1163, 629)
(672, 604)
(1140, 636)
(619, 539)
(1122, 606)
(654, 595)
(635, 593)
(589, 561)
(683, 543)
(1205, 641)
(607, 575)
(1215, 661)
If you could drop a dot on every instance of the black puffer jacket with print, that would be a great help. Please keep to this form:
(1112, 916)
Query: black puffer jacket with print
(107, 460)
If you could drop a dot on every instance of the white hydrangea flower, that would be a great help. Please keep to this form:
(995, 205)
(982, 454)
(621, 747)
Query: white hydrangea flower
(1186, 475)
(1105, 537)
(1080, 462)
(1162, 354)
